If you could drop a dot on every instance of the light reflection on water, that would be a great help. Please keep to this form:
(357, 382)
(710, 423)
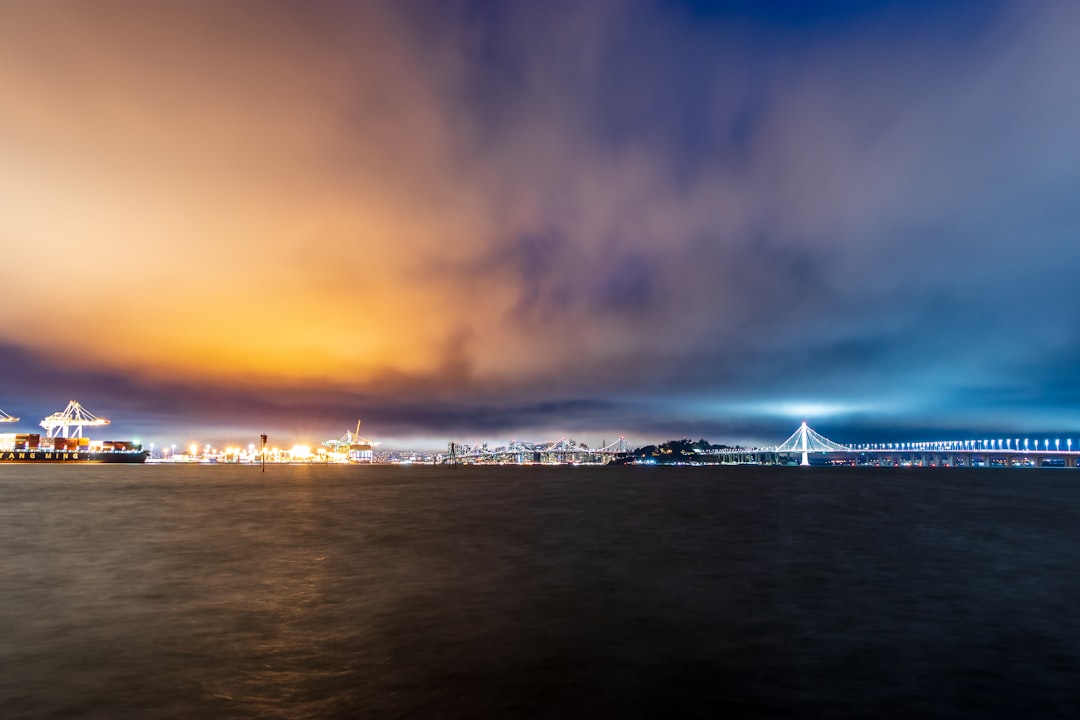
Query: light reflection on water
(311, 591)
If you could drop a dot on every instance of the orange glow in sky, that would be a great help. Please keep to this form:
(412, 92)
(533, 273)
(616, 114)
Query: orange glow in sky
(537, 215)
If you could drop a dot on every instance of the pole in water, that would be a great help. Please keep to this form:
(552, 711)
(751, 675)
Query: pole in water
(263, 453)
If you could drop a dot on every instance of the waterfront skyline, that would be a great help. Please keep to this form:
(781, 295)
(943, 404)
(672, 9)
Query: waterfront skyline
(458, 220)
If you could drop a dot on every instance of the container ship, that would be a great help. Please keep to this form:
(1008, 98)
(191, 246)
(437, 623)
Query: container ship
(63, 441)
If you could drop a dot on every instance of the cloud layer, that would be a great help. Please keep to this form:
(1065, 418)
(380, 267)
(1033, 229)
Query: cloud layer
(456, 218)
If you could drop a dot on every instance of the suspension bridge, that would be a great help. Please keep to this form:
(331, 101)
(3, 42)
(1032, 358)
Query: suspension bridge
(805, 444)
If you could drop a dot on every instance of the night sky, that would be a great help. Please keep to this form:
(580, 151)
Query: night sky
(478, 220)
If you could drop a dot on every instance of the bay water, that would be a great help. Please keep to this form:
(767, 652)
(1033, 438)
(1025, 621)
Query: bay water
(183, 591)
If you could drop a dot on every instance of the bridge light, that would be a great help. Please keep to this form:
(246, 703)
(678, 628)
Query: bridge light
(1057, 443)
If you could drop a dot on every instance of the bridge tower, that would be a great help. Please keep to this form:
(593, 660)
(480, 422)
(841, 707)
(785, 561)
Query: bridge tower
(805, 440)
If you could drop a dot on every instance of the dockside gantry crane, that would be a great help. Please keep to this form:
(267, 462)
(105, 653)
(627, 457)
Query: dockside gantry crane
(359, 449)
(73, 416)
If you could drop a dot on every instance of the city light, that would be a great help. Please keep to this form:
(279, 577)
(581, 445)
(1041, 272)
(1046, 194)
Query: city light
(930, 453)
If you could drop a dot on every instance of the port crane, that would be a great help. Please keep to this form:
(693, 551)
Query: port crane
(348, 439)
(73, 416)
(4, 417)
(359, 449)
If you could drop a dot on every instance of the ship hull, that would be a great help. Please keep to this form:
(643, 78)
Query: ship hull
(72, 456)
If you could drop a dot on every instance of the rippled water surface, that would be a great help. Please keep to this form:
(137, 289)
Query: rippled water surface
(402, 592)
